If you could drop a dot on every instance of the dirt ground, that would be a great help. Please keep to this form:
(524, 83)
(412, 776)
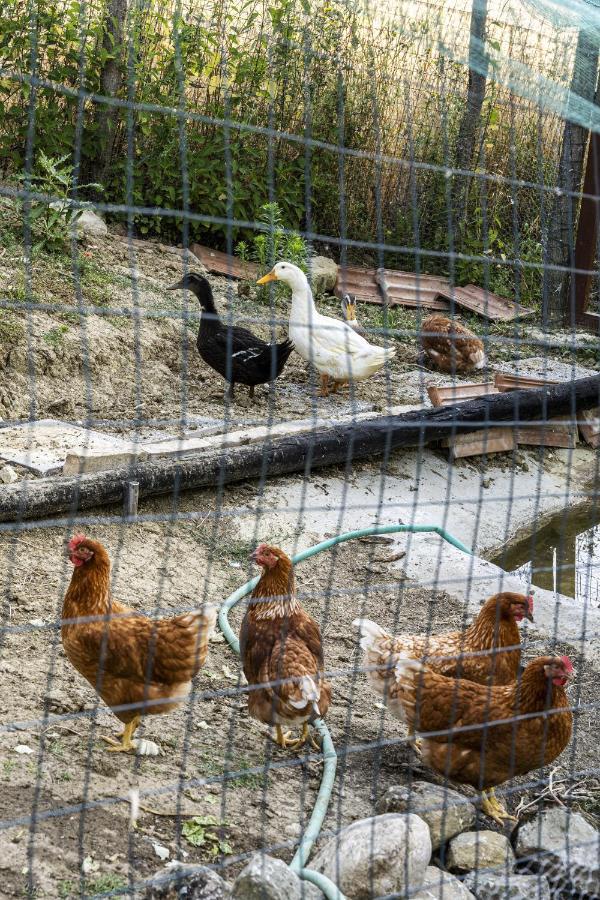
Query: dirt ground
(111, 344)
(261, 793)
(118, 363)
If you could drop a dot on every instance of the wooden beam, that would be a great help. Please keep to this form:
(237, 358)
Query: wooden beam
(328, 446)
(586, 241)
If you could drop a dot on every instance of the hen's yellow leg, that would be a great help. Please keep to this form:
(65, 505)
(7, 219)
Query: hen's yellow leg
(126, 745)
(282, 738)
(492, 807)
(324, 392)
(304, 737)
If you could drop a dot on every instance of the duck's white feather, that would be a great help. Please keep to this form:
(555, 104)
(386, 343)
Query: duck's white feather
(330, 344)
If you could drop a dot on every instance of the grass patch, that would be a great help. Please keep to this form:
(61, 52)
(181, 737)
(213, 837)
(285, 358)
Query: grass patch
(11, 328)
(54, 337)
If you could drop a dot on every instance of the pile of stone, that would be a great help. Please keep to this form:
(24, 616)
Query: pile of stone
(422, 845)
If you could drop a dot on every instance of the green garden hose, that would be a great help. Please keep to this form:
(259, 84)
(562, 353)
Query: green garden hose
(311, 833)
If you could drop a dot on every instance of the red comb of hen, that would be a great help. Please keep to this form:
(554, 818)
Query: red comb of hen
(76, 541)
(530, 603)
(567, 663)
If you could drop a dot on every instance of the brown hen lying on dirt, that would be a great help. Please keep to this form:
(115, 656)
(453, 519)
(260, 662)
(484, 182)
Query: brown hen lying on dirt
(281, 648)
(526, 724)
(474, 653)
(450, 346)
(138, 666)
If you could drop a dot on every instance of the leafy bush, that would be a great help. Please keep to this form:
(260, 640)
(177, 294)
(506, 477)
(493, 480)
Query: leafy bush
(266, 248)
(52, 222)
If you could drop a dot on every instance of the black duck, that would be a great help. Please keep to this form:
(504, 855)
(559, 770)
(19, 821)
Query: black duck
(235, 353)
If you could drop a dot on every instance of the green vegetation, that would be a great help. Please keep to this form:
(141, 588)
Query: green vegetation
(205, 831)
(52, 221)
(55, 336)
(246, 67)
(11, 328)
(102, 884)
(267, 247)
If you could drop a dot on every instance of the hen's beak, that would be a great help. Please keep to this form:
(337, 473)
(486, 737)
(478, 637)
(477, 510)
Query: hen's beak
(252, 556)
(176, 287)
(350, 311)
(529, 616)
(270, 276)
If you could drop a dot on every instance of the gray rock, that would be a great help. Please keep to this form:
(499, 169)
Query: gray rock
(438, 885)
(8, 475)
(564, 847)
(377, 856)
(446, 812)
(267, 878)
(486, 886)
(322, 274)
(188, 883)
(89, 224)
(480, 850)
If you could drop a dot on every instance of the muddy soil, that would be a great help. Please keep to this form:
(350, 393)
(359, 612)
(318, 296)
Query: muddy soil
(215, 761)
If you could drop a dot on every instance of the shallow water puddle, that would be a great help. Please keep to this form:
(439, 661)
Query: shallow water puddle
(563, 555)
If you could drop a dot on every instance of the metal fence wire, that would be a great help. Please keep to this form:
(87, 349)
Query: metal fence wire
(163, 538)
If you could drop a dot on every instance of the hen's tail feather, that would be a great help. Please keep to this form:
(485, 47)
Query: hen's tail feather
(309, 693)
(205, 616)
(370, 633)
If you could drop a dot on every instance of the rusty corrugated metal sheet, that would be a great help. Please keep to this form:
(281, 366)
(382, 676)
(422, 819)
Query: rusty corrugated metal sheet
(506, 381)
(484, 303)
(358, 281)
(408, 289)
(218, 263)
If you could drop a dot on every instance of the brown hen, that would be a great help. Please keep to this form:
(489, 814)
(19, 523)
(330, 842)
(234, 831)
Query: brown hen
(527, 724)
(450, 346)
(475, 653)
(281, 648)
(138, 666)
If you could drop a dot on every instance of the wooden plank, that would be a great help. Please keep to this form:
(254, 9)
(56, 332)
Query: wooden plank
(84, 459)
(90, 461)
(327, 446)
(218, 263)
(556, 432)
(586, 243)
(455, 393)
(477, 443)
(589, 426)
(508, 382)
(485, 304)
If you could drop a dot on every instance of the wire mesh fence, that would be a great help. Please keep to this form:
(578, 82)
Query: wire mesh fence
(444, 146)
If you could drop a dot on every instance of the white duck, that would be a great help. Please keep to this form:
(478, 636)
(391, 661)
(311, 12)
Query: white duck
(335, 350)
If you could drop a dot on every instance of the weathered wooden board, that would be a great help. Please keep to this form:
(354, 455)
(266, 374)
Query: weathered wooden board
(90, 461)
(477, 442)
(589, 426)
(556, 432)
(42, 446)
(455, 393)
(498, 440)
(332, 445)
(219, 263)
